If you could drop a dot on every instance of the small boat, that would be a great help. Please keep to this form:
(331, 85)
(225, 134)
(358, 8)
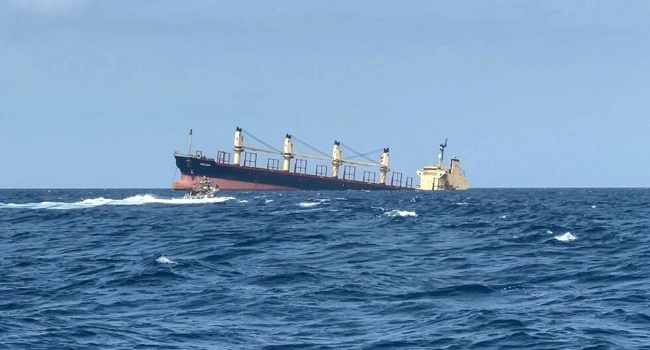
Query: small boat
(202, 190)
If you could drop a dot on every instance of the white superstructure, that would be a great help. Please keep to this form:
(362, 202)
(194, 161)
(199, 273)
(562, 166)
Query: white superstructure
(440, 177)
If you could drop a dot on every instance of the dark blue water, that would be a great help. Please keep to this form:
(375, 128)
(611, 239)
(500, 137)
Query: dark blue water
(502, 268)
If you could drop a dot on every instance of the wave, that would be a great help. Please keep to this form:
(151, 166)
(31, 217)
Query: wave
(400, 213)
(100, 201)
(313, 203)
(455, 290)
(165, 260)
(566, 237)
(309, 204)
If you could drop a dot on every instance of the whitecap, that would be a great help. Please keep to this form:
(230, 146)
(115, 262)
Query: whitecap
(510, 289)
(149, 199)
(194, 201)
(309, 204)
(100, 201)
(164, 260)
(267, 201)
(400, 213)
(94, 202)
(566, 237)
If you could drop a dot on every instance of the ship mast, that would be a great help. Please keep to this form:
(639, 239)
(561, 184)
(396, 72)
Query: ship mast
(239, 146)
(441, 156)
(189, 149)
(383, 168)
(336, 159)
(288, 153)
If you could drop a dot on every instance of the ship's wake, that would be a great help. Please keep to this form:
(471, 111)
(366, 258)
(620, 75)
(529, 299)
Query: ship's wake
(100, 201)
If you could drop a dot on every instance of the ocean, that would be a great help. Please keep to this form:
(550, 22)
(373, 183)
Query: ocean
(476, 269)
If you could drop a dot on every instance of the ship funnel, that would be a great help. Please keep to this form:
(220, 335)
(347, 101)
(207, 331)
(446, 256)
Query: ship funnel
(456, 176)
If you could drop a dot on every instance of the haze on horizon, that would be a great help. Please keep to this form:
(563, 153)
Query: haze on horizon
(530, 94)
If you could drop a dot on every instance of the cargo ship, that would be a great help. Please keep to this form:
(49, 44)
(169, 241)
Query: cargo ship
(289, 170)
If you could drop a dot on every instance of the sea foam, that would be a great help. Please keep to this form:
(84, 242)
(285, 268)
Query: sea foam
(309, 204)
(400, 213)
(99, 201)
(566, 237)
(164, 260)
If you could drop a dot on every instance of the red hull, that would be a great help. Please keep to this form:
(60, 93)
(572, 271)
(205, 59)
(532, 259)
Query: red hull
(187, 181)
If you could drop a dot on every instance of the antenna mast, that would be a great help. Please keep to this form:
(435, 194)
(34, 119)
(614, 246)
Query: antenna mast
(441, 156)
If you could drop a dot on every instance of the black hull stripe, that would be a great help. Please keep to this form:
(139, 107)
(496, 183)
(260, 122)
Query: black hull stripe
(193, 166)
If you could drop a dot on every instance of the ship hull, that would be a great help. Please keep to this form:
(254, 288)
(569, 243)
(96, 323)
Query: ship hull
(234, 177)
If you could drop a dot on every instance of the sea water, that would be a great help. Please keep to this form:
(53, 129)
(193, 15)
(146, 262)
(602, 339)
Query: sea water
(483, 268)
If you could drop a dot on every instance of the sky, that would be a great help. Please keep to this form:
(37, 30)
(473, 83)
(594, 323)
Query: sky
(99, 94)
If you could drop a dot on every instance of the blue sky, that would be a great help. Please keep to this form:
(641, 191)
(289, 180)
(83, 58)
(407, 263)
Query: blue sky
(529, 93)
